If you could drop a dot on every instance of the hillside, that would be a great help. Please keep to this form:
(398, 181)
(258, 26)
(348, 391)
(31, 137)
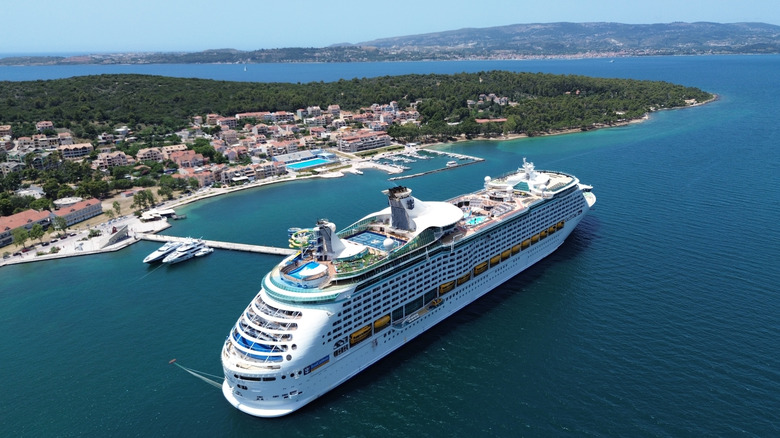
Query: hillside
(516, 41)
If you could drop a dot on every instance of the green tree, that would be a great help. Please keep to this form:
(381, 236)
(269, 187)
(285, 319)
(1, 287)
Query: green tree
(117, 208)
(110, 214)
(37, 232)
(21, 236)
(60, 223)
(41, 204)
(165, 192)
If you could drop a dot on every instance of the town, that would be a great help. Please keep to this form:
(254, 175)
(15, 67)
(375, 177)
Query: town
(214, 151)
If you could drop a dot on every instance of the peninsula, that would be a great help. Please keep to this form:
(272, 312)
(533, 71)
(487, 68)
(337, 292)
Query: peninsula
(88, 148)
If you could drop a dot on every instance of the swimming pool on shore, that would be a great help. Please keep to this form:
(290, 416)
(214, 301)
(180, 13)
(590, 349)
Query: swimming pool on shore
(308, 163)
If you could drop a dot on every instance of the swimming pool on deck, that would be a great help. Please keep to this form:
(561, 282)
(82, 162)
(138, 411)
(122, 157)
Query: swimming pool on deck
(476, 220)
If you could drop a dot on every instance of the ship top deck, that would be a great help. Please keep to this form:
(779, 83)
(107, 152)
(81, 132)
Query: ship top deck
(383, 235)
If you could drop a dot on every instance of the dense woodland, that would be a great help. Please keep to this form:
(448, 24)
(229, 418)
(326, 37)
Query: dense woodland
(154, 107)
(88, 105)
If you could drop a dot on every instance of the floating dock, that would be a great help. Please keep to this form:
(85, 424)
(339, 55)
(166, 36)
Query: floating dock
(221, 245)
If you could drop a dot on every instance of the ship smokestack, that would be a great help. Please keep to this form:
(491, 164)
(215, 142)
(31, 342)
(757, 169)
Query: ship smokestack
(401, 200)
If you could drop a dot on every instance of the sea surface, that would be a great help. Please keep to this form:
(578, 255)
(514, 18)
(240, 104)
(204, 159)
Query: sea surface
(659, 317)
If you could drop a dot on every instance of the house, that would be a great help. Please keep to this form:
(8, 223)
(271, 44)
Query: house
(75, 151)
(10, 167)
(167, 150)
(25, 219)
(227, 122)
(6, 130)
(150, 154)
(44, 125)
(65, 138)
(187, 158)
(107, 160)
(203, 176)
(80, 211)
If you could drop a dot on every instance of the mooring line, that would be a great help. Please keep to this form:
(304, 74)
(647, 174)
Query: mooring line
(200, 375)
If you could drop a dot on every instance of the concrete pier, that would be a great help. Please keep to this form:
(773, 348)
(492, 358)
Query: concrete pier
(221, 245)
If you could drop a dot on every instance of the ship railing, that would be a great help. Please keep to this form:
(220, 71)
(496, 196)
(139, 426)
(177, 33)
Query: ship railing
(269, 310)
(272, 325)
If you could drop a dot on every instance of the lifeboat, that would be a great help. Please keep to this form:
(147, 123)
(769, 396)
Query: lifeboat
(526, 243)
(446, 287)
(381, 323)
(505, 255)
(516, 249)
(360, 335)
(495, 260)
(480, 268)
(464, 278)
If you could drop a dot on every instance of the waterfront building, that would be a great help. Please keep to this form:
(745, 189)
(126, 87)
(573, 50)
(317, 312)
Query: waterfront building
(80, 211)
(25, 219)
(363, 140)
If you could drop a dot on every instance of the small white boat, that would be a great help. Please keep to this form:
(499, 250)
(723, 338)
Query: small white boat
(452, 163)
(204, 251)
(161, 252)
(184, 252)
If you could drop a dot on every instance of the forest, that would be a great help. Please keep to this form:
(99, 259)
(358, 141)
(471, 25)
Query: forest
(89, 105)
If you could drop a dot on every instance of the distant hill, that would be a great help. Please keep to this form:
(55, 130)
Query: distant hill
(517, 41)
(557, 39)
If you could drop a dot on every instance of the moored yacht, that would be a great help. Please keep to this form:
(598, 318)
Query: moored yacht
(185, 252)
(161, 252)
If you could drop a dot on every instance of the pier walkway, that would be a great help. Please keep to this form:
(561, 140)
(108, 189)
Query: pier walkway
(221, 245)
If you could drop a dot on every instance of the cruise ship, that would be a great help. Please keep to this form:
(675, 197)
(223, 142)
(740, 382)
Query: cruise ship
(346, 299)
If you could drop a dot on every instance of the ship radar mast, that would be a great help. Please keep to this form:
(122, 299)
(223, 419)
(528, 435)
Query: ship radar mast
(528, 168)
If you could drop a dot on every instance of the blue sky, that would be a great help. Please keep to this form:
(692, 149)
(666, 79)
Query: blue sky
(93, 26)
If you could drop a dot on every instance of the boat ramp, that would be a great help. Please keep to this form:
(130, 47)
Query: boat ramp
(221, 245)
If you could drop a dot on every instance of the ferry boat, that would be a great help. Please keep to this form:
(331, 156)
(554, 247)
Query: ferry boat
(185, 251)
(161, 252)
(346, 299)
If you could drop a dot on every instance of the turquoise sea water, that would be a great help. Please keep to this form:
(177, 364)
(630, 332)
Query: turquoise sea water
(658, 317)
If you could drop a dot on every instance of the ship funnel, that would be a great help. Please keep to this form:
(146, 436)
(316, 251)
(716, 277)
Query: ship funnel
(328, 243)
(401, 201)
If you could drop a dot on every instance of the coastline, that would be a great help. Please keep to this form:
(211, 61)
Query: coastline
(355, 162)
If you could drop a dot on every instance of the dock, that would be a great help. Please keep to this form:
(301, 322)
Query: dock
(415, 175)
(221, 245)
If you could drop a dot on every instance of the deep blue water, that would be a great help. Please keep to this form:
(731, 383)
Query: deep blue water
(658, 317)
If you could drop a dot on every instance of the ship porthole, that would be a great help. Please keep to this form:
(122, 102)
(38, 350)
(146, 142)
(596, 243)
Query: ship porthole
(294, 347)
(289, 357)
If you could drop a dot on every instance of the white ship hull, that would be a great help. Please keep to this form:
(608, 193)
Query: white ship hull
(319, 346)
